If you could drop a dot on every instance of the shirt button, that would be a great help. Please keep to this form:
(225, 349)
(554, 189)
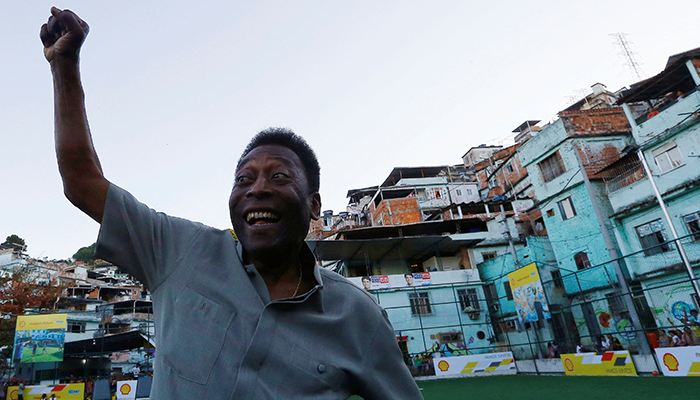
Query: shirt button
(321, 368)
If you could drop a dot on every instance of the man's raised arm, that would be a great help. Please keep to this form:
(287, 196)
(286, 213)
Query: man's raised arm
(83, 182)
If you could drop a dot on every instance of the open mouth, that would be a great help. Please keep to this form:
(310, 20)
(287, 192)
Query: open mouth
(261, 218)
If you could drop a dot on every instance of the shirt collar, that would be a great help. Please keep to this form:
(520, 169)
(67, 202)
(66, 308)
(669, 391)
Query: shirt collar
(313, 296)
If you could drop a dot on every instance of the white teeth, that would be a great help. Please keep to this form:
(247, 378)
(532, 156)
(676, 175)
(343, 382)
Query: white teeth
(261, 215)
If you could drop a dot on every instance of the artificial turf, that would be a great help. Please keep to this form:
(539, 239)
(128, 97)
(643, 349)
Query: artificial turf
(526, 387)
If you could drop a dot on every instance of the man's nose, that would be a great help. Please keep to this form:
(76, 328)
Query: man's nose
(259, 188)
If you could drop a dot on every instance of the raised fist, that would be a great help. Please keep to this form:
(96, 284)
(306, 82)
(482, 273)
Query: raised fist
(63, 35)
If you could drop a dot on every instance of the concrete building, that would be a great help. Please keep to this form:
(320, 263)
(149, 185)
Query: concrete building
(668, 138)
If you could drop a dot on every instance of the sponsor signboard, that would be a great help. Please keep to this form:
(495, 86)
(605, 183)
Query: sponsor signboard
(528, 294)
(126, 390)
(608, 363)
(495, 363)
(40, 338)
(73, 391)
(679, 361)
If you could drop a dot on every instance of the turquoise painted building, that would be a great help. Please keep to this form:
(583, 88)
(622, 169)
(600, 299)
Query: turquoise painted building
(668, 139)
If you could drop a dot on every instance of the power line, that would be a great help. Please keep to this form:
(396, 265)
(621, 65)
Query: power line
(629, 55)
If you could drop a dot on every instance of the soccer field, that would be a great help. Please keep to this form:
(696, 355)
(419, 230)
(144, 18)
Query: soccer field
(525, 387)
(49, 356)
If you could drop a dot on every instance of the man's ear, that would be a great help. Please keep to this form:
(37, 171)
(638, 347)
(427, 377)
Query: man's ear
(315, 199)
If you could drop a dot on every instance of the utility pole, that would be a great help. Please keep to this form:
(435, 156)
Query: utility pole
(612, 251)
(662, 204)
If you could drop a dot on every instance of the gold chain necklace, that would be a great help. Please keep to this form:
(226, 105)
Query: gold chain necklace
(298, 283)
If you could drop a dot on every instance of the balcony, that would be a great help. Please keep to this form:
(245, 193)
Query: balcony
(674, 115)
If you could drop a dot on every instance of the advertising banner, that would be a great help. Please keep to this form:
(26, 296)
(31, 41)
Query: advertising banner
(495, 363)
(126, 390)
(417, 279)
(73, 391)
(528, 294)
(679, 361)
(608, 363)
(40, 338)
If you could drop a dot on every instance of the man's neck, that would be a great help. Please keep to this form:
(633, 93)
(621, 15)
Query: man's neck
(282, 274)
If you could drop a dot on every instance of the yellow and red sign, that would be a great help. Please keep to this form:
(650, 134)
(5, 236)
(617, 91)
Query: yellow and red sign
(497, 363)
(73, 391)
(126, 390)
(679, 361)
(609, 363)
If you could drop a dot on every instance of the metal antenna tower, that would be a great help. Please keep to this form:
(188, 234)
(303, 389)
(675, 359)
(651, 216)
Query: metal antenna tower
(629, 55)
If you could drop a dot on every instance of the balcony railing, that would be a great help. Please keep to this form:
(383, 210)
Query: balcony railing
(625, 175)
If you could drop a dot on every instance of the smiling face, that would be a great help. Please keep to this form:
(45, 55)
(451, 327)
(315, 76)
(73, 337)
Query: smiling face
(270, 203)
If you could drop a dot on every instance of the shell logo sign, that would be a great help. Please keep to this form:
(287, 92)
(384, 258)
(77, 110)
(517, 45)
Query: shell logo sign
(22, 323)
(493, 363)
(679, 361)
(568, 364)
(608, 363)
(671, 362)
(125, 389)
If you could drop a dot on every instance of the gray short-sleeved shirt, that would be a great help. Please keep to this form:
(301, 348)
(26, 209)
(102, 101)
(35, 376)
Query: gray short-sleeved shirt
(219, 336)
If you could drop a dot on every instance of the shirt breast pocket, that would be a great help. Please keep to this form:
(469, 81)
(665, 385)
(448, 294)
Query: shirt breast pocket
(316, 373)
(195, 335)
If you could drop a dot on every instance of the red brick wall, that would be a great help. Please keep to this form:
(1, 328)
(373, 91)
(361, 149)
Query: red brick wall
(596, 121)
(403, 211)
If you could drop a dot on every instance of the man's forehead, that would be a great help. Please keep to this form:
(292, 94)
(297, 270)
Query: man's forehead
(278, 153)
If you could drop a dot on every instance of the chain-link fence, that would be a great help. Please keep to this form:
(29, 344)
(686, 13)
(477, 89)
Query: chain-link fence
(588, 310)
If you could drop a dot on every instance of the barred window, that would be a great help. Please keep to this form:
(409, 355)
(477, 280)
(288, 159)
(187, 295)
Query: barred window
(551, 167)
(420, 303)
(468, 300)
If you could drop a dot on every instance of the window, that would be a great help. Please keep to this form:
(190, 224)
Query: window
(551, 167)
(509, 168)
(489, 255)
(469, 192)
(75, 327)
(652, 237)
(420, 303)
(550, 212)
(615, 304)
(468, 300)
(459, 192)
(556, 279)
(581, 260)
(509, 293)
(668, 157)
(566, 209)
(692, 221)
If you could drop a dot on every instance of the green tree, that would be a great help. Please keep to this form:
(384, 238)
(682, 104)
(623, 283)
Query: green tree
(14, 239)
(86, 254)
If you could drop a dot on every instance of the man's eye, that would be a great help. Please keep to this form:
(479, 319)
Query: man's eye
(242, 180)
(279, 175)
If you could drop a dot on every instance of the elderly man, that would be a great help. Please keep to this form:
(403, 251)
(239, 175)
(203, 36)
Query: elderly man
(246, 318)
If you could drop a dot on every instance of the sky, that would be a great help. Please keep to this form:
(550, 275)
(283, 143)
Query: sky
(175, 90)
